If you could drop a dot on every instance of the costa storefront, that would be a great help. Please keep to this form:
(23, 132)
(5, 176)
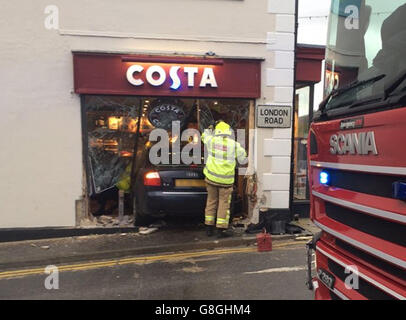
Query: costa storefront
(101, 74)
(125, 97)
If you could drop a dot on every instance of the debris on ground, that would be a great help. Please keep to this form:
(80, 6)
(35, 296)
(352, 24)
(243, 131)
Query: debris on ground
(294, 229)
(88, 223)
(307, 225)
(146, 230)
(303, 238)
(152, 227)
(158, 224)
(45, 247)
(111, 221)
(104, 220)
(238, 231)
(127, 220)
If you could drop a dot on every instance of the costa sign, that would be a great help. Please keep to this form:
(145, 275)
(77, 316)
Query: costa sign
(166, 76)
(156, 76)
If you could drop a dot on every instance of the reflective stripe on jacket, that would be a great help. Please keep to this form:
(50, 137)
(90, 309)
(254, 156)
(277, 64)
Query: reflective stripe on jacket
(222, 153)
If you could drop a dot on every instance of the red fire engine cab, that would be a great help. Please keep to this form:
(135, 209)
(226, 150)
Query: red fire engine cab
(357, 155)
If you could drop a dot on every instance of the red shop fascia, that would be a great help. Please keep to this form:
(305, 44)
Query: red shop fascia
(167, 76)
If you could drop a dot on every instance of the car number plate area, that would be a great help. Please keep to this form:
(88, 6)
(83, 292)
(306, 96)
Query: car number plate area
(198, 183)
(327, 278)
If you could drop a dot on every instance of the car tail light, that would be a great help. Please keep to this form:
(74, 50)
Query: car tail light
(152, 179)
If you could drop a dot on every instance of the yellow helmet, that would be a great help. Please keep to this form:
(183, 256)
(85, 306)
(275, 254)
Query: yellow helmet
(222, 128)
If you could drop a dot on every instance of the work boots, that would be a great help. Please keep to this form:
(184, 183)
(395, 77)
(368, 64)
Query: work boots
(224, 233)
(209, 231)
(221, 233)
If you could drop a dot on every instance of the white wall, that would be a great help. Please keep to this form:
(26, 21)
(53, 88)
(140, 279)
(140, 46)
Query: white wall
(40, 138)
(40, 133)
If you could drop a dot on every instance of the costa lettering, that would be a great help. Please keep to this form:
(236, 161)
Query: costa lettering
(361, 143)
(156, 76)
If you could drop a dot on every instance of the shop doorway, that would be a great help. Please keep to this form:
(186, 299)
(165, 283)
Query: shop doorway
(304, 104)
(116, 139)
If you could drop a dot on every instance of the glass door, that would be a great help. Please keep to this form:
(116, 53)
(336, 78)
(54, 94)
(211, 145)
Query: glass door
(303, 115)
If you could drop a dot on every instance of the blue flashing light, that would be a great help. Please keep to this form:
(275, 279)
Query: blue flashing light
(399, 190)
(324, 177)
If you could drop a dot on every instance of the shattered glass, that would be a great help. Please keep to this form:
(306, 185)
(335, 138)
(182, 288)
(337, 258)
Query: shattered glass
(112, 123)
(111, 126)
(232, 111)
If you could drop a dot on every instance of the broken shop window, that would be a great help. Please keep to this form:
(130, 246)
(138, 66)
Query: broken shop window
(112, 124)
(111, 129)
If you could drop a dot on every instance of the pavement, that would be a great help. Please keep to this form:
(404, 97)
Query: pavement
(168, 238)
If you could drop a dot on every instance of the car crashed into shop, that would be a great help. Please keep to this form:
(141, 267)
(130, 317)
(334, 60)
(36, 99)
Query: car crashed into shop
(167, 178)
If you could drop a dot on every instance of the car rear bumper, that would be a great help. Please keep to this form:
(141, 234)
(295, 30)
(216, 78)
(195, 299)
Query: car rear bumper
(176, 202)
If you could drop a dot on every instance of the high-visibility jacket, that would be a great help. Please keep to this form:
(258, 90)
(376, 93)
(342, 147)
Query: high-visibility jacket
(124, 182)
(222, 154)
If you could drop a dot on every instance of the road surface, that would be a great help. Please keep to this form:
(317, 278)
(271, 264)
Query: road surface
(231, 274)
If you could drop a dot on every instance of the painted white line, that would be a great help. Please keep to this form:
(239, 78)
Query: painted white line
(360, 207)
(365, 247)
(283, 269)
(370, 280)
(359, 167)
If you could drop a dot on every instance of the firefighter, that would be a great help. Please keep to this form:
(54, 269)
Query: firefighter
(219, 171)
(124, 182)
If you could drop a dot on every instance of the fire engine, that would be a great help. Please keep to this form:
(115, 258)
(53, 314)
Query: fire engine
(357, 156)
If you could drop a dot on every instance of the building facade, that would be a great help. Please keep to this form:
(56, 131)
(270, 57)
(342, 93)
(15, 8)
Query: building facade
(44, 175)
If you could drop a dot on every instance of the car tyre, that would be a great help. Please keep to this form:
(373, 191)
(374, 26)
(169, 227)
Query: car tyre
(140, 219)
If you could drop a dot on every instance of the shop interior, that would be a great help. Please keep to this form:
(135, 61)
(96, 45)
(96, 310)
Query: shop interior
(117, 127)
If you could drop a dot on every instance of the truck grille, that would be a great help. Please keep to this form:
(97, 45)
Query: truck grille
(376, 262)
(368, 183)
(366, 289)
(383, 229)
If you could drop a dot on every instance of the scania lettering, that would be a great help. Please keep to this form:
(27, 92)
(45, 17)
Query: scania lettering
(362, 143)
(356, 156)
